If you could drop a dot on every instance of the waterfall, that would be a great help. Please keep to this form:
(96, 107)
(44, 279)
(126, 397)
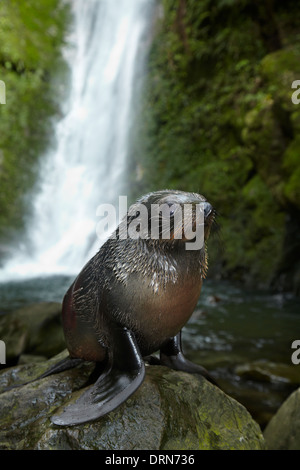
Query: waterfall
(88, 164)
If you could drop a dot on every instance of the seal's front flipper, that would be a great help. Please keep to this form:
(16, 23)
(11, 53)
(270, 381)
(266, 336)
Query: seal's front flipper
(171, 355)
(124, 374)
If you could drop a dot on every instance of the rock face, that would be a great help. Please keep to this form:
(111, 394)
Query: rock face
(170, 411)
(242, 83)
(34, 330)
(283, 431)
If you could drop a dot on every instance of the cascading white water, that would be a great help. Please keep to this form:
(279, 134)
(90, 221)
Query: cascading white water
(87, 167)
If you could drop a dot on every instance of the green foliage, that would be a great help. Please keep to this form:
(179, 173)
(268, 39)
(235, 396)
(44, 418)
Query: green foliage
(31, 38)
(217, 118)
(291, 167)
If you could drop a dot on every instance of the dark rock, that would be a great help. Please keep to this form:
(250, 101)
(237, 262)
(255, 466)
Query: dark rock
(283, 431)
(171, 410)
(35, 330)
(266, 371)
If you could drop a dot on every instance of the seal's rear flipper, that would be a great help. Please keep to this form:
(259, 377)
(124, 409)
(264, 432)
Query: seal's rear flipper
(64, 364)
(171, 355)
(124, 374)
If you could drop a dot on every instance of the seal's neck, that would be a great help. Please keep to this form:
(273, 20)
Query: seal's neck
(167, 260)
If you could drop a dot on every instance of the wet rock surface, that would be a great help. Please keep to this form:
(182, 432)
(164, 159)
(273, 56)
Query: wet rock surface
(35, 330)
(283, 431)
(170, 411)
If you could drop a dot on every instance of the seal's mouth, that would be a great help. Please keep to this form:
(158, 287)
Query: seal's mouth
(196, 222)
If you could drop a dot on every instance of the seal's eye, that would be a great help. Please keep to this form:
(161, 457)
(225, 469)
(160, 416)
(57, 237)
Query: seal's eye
(172, 209)
(135, 216)
(130, 218)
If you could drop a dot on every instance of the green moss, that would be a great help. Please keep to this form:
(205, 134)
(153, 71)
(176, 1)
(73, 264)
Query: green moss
(292, 168)
(218, 119)
(280, 69)
(31, 39)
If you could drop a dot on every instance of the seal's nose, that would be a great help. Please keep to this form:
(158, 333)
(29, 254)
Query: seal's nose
(208, 209)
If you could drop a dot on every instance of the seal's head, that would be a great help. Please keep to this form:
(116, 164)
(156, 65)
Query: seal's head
(169, 216)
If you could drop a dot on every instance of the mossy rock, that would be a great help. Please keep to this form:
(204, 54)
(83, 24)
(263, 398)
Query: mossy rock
(291, 167)
(283, 431)
(281, 68)
(36, 329)
(32, 66)
(266, 371)
(171, 411)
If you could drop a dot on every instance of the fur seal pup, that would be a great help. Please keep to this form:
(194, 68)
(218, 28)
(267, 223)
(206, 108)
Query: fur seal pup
(132, 299)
